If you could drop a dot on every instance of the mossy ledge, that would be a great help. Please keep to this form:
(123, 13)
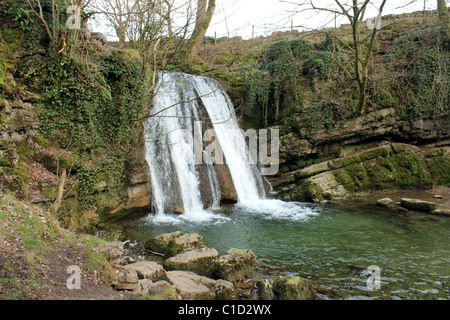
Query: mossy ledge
(388, 167)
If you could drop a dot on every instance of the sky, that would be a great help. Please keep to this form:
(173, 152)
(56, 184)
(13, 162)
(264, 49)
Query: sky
(237, 17)
(247, 18)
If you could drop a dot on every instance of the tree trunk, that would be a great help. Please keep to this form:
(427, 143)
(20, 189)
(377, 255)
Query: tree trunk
(60, 192)
(443, 16)
(204, 16)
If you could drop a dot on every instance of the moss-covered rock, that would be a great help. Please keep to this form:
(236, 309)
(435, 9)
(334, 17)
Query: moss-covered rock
(161, 290)
(200, 261)
(236, 265)
(159, 243)
(389, 167)
(418, 205)
(293, 288)
(171, 244)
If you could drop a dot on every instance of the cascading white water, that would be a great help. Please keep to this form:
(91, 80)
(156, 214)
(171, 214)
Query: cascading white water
(246, 177)
(171, 154)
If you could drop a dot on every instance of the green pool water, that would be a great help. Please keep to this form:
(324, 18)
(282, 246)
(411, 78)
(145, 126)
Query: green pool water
(332, 245)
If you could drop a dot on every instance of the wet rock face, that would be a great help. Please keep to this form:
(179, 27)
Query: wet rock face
(383, 124)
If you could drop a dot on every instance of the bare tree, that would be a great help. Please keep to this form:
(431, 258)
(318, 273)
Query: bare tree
(118, 13)
(205, 12)
(354, 11)
(36, 7)
(54, 15)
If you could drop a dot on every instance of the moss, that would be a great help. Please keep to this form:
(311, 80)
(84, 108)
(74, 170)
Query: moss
(41, 140)
(439, 168)
(25, 152)
(22, 172)
(411, 172)
(293, 288)
(398, 148)
(4, 162)
(172, 249)
(418, 205)
(206, 266)
(310, 192)
(162, 292)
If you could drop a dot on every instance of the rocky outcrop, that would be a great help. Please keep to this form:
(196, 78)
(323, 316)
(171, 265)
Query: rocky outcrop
(189, 252)
(377, 125)
(138, 193)
(179, 277)
(30, 165)
(389, 166)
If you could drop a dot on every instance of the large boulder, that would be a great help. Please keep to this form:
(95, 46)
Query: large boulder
(293, 288)
(286, 288)
(201, 261)
(236, 265)
(171, 244)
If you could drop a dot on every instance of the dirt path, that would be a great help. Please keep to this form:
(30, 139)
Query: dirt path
(56, 278)
(48, 280)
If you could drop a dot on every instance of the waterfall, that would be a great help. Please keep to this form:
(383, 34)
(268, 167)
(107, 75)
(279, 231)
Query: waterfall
(181, 105)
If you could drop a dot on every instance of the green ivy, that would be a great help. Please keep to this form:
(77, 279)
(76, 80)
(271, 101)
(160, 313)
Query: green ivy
(93, 108)
(324, 115)
(422, 57)
(285, 64)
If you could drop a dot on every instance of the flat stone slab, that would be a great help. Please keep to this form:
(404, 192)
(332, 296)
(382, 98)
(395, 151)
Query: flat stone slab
(200, 261)
(148, 270)
(419, 205)
(385, 202)
(191, 286)
(112, 250)
(126, 279)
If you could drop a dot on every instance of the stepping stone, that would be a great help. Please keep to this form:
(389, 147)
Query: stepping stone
(201, 261)
(419, 205)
